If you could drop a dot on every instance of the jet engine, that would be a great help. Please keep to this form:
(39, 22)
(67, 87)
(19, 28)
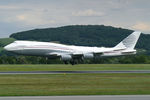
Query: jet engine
(88, 56)
(66, 57)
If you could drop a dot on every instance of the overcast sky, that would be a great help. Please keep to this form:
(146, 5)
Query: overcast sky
(21, 15)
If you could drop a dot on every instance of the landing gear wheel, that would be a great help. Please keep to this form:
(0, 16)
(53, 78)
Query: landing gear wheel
(66, 62)
(73, 62)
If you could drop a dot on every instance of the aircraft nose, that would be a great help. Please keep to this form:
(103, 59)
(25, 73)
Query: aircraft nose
(7, 47)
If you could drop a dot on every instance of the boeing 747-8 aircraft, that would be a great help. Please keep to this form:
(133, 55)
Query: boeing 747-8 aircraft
(70, 53)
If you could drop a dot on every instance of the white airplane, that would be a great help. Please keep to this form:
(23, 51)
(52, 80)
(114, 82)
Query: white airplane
(70, 53)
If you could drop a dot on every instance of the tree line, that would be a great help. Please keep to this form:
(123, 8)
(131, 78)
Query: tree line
(134, 59)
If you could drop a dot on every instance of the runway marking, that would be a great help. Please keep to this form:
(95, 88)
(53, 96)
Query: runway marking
(70, 72)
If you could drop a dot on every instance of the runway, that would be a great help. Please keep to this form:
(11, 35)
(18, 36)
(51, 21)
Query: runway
(103, 97)
(70, 72)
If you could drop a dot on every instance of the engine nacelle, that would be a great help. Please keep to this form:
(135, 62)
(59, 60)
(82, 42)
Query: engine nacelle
(88, 56)
(66, 57)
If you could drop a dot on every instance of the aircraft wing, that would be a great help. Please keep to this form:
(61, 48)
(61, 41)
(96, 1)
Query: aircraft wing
(53, 55)
(78, 55)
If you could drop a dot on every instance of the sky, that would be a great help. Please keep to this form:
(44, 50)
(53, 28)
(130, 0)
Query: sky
(22, 15)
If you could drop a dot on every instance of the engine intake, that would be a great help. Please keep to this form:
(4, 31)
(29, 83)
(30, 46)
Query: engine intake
(66, 57)
(88, 56)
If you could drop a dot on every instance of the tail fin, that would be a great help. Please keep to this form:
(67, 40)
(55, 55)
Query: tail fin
(130, 41)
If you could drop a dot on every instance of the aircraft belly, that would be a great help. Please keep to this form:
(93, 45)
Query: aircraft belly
(36, 52)
(39, 52)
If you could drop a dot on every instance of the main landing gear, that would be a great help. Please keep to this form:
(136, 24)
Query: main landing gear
(72, 62)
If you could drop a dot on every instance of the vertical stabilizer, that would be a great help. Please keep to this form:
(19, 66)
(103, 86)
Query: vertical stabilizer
(130, 41)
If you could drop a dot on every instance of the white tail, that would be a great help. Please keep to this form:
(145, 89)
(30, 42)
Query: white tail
(130, 41)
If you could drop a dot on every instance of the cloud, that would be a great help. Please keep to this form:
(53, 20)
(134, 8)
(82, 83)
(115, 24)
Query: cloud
(33, 19)
(29, 19)
(142, 26)
(88, 12)
(6, 7)
(19, 15)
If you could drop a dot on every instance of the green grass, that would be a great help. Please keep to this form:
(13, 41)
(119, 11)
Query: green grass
(1, 48)
(5, 41)
(74, 84)
(82, 67)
